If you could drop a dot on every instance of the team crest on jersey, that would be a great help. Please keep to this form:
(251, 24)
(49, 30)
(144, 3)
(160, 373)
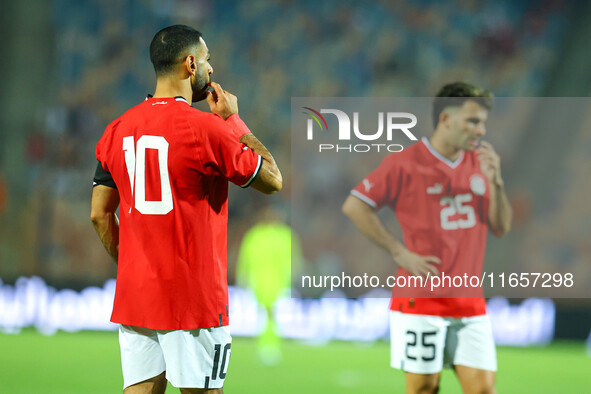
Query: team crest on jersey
(477, 185)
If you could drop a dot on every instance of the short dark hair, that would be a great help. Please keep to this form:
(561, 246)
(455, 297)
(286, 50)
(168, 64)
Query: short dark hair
(170, 45)
(456, 94)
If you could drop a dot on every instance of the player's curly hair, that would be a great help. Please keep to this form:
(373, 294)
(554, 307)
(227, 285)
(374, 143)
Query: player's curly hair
(455, 94)
(170, 45)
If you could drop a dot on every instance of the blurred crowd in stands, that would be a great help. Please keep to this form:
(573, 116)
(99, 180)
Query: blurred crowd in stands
(265, 52)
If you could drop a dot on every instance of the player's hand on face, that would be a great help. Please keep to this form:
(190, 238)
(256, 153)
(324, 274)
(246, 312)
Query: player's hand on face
(221, 101)
(490, 162)
(417, 264)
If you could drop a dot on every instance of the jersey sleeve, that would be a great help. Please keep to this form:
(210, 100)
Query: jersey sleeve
(224, 154)
(381, 187)
(102, 176)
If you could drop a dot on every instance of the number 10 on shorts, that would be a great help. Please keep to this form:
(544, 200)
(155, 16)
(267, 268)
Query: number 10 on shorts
(219, 368)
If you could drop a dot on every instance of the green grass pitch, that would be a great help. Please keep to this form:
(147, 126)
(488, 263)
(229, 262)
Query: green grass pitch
(88, 362)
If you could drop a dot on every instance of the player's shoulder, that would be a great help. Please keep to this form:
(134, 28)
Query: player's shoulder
(116, 121)
(202, 121)
(406, 157)
(125, 116)
(412, 152)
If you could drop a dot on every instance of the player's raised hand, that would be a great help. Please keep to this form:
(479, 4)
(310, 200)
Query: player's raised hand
(490, 162)
(221, 101)
(417, 264)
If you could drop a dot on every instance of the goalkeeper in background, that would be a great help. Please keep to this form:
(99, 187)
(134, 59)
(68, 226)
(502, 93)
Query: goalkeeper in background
(264, 266)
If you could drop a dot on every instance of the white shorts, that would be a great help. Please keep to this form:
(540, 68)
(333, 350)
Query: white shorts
(196, 358)
(425, 344)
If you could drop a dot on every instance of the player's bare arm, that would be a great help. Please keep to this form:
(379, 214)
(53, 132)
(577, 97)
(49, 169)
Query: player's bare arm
(225, 104)
(368, 222)
(269, 179)
(105, 201)
(499, 212)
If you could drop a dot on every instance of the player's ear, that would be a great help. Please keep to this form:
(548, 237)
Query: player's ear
(444, 117)
(190, 64)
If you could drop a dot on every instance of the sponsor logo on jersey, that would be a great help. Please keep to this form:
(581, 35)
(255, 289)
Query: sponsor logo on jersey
(367, 185)
(160, 102)
(477, 184)
(435, 189)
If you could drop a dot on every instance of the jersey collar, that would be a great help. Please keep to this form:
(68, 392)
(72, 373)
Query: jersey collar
(177, 98)
(440, 157)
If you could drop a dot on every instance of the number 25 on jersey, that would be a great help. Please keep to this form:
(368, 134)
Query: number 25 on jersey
(135, 161)
(457, 205)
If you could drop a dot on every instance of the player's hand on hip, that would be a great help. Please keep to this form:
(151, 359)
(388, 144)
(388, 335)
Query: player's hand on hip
(221, 101)
(490, 162)
(417, 264)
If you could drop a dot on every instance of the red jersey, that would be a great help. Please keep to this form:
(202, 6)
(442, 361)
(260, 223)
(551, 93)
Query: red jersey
(442, 208)
(171, 164)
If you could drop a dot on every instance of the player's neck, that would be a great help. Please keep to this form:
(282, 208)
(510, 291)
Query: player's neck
(444, 148)
(169, 87)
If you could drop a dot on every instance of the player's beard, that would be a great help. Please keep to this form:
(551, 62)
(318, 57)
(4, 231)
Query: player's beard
(199, 86)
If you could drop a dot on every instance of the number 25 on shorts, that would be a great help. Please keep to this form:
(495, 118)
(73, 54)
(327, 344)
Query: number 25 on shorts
(412, 342)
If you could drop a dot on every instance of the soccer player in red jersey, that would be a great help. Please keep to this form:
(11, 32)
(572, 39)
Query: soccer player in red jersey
(447, 192)
(166, 165)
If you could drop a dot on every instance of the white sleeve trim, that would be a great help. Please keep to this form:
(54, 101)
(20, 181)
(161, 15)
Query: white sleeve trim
(364, 198)
(259, 165)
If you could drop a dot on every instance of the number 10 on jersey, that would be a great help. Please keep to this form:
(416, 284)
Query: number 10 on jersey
(135, 161)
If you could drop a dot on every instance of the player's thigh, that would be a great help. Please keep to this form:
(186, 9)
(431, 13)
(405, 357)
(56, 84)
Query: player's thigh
(471, 344)
(141, 355)
(155, 385)
(421, 383)
(475, 381)
(196, 359)
(417, 342)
